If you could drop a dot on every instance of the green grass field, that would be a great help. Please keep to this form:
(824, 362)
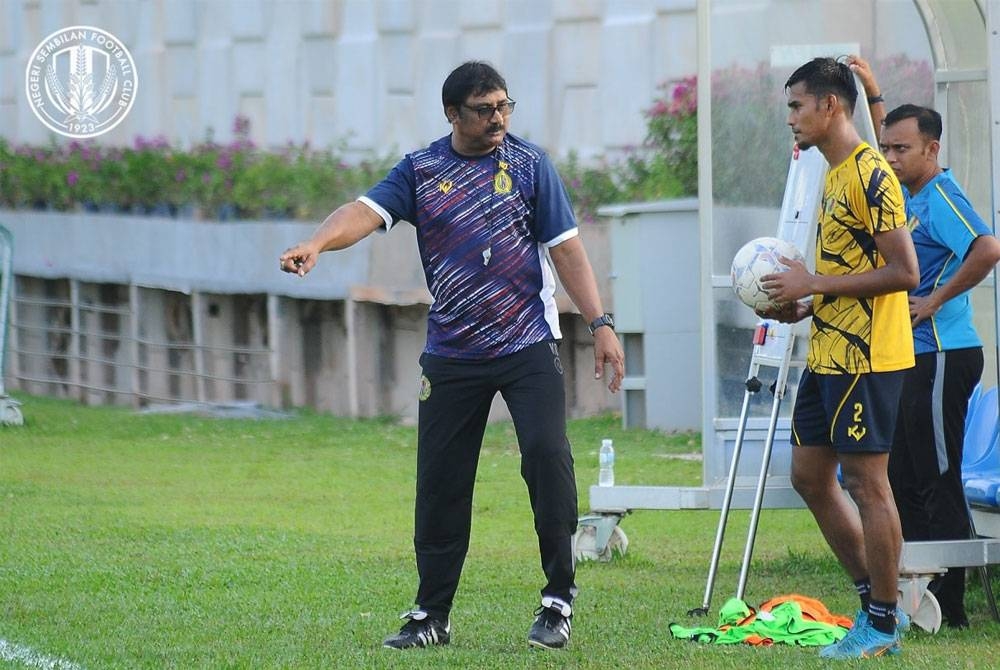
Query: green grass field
(165, 541)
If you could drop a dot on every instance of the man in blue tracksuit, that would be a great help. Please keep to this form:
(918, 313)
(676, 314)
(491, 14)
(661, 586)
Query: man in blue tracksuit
(955, 251)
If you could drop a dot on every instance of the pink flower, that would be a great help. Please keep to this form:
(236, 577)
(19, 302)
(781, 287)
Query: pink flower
(241, 125)
(72, 178)
(659, 108)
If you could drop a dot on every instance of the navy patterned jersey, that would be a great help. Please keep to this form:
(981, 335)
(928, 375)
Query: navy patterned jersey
(483, 224)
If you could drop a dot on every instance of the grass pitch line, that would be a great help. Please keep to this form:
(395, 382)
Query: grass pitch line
(18, 653)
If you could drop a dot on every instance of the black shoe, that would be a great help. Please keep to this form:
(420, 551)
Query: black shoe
(420, 630)
(951, 600)
(553, 624)
(959, 622)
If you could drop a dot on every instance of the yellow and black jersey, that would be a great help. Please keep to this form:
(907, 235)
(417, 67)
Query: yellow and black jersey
(861, 197)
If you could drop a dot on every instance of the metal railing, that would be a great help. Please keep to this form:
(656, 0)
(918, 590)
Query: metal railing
(62, 350)
(10, 412)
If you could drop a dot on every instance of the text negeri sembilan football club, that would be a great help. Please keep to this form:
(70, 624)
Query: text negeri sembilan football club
(61, 39)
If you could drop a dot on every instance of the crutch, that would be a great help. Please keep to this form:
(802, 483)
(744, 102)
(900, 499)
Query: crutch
(765, 461)
(753, 385)
(806, 172)
(768, 349)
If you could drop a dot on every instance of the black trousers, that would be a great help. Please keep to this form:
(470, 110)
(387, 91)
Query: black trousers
(925, 465)
(455, 402)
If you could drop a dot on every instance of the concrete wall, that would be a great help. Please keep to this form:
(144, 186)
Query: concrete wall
(369, 71)
(176, 319)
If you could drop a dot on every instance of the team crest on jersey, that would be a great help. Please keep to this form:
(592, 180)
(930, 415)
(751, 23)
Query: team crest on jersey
(425, 388)
(446, 186)
(502, 183)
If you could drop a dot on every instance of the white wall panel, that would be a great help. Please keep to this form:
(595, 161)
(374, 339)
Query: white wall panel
(627, 82)
(248, 18)
(357, 94)
(180, 22)
(396, 16)
(674, 47)
(318, 18)
(323, 70)
(525, 68)
(283, 70)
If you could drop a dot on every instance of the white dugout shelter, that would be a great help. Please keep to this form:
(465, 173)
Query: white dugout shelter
(944, 53)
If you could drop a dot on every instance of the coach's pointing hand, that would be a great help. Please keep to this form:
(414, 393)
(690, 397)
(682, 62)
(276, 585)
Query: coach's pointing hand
(298, 259)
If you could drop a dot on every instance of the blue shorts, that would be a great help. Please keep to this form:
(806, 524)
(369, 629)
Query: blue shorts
(851, 413)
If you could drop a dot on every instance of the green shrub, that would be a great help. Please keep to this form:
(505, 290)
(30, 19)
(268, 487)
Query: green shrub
(751, 143)
(224, 181)
(751, 147)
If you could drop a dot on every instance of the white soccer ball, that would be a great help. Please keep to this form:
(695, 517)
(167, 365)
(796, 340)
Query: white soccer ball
(757, 258)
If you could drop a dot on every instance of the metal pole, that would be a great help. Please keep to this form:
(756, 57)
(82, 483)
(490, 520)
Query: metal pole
(75, 374)
(6, 268)
(993, 90)
(984, 573)
(274, 331)
(199, 346)
(350, 325)
(10, 412)
(134, 346)
(753, 385)
(765, 463)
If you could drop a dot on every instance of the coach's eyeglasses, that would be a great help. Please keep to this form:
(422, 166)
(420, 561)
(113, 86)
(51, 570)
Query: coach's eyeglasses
(485, 112)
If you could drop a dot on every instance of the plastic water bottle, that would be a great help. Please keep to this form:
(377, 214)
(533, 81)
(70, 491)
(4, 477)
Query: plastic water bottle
(606, 477)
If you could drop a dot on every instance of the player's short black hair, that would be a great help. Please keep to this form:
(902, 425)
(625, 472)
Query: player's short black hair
(928, 120)
(468, 79)
(826, 76)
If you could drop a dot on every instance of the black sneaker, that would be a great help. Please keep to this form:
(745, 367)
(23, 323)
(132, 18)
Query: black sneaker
(420, 630)
(553, 624)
